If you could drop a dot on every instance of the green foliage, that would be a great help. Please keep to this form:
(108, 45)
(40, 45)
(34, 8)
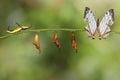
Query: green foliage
(19, 60)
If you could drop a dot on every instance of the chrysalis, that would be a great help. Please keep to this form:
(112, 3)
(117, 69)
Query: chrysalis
(18, 29)
(101, 26)
(55, 40)
(36, 42)
(74, 44)
(13, 31)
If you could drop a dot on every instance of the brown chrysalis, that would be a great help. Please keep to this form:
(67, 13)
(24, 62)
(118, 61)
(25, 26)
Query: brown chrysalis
(74, 44)
(36, 42)
(55, 40)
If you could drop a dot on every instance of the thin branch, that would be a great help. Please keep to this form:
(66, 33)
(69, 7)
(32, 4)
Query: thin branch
(5, 36)
(42, 30)
(115, 32)
(62, 29)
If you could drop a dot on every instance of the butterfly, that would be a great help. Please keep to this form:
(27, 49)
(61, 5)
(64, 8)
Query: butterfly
(95, 25)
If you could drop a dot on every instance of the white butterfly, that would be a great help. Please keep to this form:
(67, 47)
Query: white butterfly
(101, 26)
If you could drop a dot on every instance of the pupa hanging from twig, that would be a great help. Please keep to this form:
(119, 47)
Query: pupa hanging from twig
(73, 41)
(55, 40)
(36, 42)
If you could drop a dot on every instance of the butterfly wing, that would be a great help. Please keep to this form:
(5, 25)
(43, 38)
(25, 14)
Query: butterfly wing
(91, 19)
(106, 21)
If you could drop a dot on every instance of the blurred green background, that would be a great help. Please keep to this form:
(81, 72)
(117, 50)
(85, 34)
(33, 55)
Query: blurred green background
(19, 59)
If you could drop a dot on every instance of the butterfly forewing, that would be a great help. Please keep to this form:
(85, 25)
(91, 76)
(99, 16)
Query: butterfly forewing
(106, 21)
(91, 19)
